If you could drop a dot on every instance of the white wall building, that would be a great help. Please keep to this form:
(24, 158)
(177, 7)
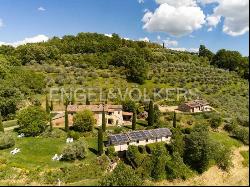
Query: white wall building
(113, 113)
(141, 137)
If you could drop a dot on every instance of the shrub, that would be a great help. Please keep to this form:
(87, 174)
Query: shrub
(176, 169)
(75, 150)
(122, 175)
(74, 135)
(242, 134)
(32, 121)
(134, 156)
(141, 149)
(215, 121)
(84, 121)
(197, 148)
(221, 155)
(55, 133)
(117, 130)
(111, 152)
(6, 141)
(152, 146)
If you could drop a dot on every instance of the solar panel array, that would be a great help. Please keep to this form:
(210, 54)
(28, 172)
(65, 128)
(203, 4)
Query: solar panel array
(119, 138)
(139, 135)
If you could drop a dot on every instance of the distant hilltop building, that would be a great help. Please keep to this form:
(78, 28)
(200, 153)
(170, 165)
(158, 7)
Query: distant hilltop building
(195, 106)
(113, 113)
(141, 137)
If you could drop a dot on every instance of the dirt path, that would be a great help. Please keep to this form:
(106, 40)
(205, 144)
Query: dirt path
(238, 175)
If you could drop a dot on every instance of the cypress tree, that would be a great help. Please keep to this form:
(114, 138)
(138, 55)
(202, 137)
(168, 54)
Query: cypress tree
(66, 116)
(87, 100)
(51, 106)
(100, 141)
(151, 113)
(50, 123)
(73, 100)
(134, 120)
(103, 120)
(174, 120)
(47, 105)
(106, 99)
(1, 124)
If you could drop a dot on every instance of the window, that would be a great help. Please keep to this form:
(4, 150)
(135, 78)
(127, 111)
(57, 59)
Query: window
(127, 143)
(110, 121)
(137, 141)
(146, 140)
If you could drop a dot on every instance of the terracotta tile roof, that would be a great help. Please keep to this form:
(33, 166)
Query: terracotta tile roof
(196, 103)
(93, 108)
(127, 113)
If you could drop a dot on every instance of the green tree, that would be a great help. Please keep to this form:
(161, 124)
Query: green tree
(123, 175)
(128, 105)
(51, 105)
(32, 121)
(215, 121)
(87, 100)
(1, 124)
(103, 119)
(151, 113)
(174, 120)
(134, 120)
(157, 114)
(84, 121)
(66, 120)
(137, 70)
(159, 158)
(197, 152)
(47, 105)
(204, 52)
(50, 122)
(231, 60)
(177, 141)
(100, 141)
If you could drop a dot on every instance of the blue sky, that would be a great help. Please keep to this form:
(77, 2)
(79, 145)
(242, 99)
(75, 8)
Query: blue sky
(28, 18)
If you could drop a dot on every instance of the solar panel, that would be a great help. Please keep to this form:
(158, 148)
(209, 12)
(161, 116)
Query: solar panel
(139, 135)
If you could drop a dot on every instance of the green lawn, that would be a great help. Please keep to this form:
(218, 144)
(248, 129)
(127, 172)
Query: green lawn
(245, 155)
(223, 138)
(34, 152)
(35, 158)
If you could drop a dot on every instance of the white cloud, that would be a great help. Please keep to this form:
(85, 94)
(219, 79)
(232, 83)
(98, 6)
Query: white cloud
(191, 36)
(210, 29)
(158, 37)
(173, 18)
(35, 39)
(108, 35)
(194, 50)
(146, 39)
(140, 1)
(1, 23)
(236, 16)
(170, 43)
(177, 3)
(41, 9)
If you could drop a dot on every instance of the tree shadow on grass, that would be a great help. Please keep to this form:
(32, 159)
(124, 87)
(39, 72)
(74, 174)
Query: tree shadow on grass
(93, 150)
(128, 127)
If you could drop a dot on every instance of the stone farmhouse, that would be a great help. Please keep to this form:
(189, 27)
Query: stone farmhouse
(113, 113)
(141, 137)
(195, 106)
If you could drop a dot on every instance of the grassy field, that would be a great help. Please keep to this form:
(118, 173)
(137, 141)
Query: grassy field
(245, 155)
(223, 138)
(34, 165)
